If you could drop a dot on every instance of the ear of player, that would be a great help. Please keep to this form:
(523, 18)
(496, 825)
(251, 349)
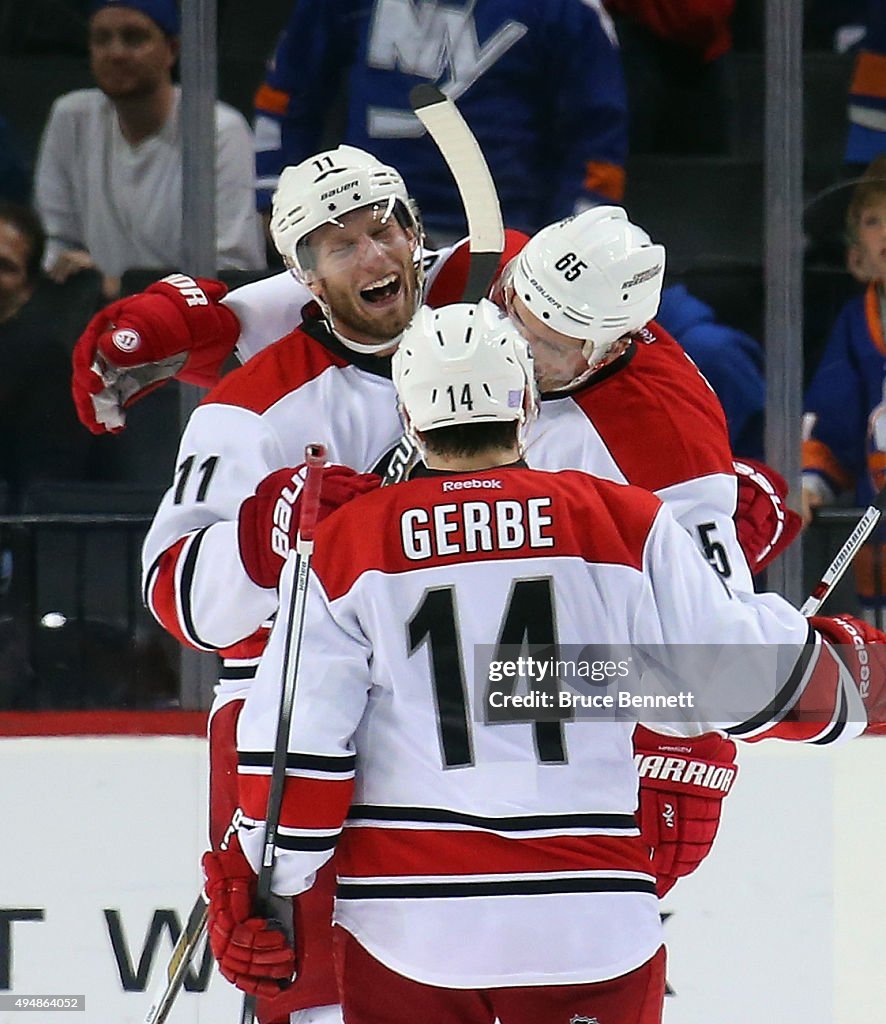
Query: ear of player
(175, 328)
(267, 522)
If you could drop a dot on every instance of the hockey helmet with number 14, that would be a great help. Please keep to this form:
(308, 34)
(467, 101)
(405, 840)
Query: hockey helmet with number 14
(463, 363)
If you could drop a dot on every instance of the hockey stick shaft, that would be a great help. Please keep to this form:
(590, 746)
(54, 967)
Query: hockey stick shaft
(486, 233)
(315, 457)
(468, 167)
(834, 572)
(182, 954)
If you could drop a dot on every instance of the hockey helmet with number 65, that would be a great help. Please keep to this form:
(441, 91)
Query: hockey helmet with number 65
(463, 363)
(595, 276)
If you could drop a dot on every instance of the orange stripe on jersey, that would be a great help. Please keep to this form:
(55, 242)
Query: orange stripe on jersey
(274, 372)
(605, 178)
(449, 284)
(307, 803)
(373, 852)
(872, 316)
(869, 78)
(271, 101)
(817, 456)
(681, 416)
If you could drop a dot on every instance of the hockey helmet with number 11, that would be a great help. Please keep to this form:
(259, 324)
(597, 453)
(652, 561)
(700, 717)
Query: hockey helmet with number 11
(460, 364)
(325, 187)
(595, 276)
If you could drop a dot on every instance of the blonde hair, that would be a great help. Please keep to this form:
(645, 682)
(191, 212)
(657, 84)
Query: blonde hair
(871, 187)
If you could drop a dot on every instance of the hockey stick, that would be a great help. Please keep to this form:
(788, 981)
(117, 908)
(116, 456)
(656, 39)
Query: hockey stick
(182, 954)
(315, 456)
(468, 166)
(486, 232)
(834, 572)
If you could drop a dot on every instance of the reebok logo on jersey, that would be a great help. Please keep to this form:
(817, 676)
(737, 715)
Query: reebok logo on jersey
(583, 1020)
(462, 485)
(687, 773)
(126, 340)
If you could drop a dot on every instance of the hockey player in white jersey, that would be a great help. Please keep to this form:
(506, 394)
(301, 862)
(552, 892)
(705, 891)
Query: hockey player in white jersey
(215, 551)
(490, 870)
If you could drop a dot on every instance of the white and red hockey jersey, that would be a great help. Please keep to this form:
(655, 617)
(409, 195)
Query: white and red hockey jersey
(471, 853)
(650, 418)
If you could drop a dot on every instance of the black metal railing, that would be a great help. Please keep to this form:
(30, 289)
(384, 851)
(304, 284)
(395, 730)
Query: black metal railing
(73, 631)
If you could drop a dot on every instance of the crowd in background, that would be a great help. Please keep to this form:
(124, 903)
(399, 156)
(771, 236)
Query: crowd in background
(573, 104)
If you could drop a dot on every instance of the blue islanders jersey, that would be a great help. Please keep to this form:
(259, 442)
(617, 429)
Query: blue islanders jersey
(540, 82)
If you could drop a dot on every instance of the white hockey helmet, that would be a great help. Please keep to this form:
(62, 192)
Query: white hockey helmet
(595, 276)
(463, 363)
(324, 188)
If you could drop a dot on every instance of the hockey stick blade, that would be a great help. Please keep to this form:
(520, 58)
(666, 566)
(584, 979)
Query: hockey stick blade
(468, 167)
(182, 955)
(834, 572)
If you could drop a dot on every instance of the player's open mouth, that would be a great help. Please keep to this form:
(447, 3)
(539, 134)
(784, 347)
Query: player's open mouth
(383, 288)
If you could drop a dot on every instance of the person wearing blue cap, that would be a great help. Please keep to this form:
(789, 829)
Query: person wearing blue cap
(108, 182)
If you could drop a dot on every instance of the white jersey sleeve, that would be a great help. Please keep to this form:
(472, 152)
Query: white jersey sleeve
(191, 552)
(267, 310)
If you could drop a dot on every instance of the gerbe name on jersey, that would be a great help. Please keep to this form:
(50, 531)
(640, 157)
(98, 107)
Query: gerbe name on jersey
(504, 524)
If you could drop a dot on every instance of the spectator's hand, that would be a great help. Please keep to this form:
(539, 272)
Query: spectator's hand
(811, 500)
(68, 263)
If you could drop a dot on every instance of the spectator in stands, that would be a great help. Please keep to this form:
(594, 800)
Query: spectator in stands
(731, 360)
(844, 446)
(867, 93)
(674, 63)
(539, 81)
(109, 170)
(41, 438)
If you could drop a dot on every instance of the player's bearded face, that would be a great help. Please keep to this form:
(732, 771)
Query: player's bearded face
(558, 358)
(365, 274)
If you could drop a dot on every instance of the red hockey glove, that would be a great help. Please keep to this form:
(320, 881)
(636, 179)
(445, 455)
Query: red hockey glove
(763, 522)
(251, 953)
(862, 649)
(175, 328)
(682, 785)
(268, 521)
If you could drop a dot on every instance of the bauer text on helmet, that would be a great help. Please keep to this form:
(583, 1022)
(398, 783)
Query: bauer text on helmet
(463, 364)
(325, 187)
